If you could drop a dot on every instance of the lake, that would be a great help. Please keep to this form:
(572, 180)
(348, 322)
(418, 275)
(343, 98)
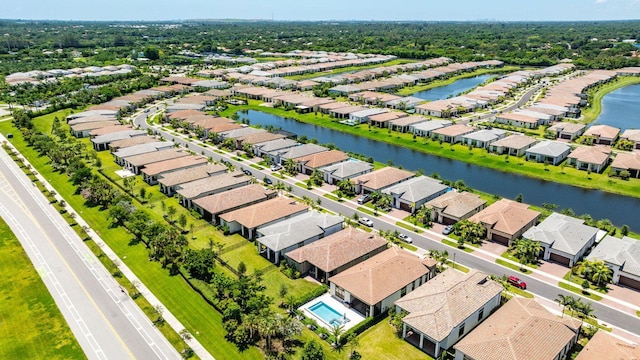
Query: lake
(599, 204)
(457, 87)
(621, 108)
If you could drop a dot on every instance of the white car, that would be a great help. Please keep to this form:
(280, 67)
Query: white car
(276, 167)
(405, 238)
(365, 221)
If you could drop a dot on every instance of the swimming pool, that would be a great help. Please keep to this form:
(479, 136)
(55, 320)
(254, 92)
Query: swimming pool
(327, 314)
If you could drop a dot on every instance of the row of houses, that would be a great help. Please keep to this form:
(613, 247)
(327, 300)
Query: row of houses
(38, 76)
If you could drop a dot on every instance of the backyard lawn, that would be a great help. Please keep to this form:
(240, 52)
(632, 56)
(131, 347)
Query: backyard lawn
(31, 325)
(380, 342)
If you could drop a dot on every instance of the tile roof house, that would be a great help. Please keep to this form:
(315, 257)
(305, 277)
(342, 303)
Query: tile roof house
(603, 134)
(276, 240)
(210, 207)
(452, 134)
(446, 308)
(426, 128)
(380, 179)
(140, 149)
(632, 135)
(169, 181)
(281, 155)
(483, 138)
(589, 158)
(257, 138)
(622, 256)
(102, 142)
(403, 124)
(627, 162)
(83, 129)
(248, 219)
(550, 152)
(372, 286)
(605, 346)
(455, 206)
(152, 172)
(308, 163)
(188, 192)
(520, 330)
(564, 239)
(566, 130)
(505, 220)
(335, 253)
(411, 194)
(514, 145)
(135, 163)
(260, 149)
(517, 119)
(132, 141)
(345, 170)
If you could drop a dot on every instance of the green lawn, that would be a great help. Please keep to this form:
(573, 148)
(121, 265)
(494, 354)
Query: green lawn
(31, 325)
(408, 227)
(509, 255)
(454, 244)
(380, 342)
(569, 276)
(513, 266)
(481, 157)
(578, 290)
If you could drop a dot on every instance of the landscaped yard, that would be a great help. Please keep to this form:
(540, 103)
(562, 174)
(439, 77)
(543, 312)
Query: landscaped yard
(32, 326)
(380, 342)
(578, 290)
(509, 255)
(569, 276)
(513, 266)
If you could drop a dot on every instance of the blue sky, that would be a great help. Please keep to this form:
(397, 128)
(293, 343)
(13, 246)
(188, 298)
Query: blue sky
(429, 10)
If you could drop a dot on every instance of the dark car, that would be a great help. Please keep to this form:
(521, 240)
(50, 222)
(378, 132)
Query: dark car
(268, 181)
(517, 282)
(247, 172)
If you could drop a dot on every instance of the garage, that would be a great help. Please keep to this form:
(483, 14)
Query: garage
(626, 281)
(559, 259)
(604, 142)
(404, 206)
(500, 239)
(448, 221)
(565, 136)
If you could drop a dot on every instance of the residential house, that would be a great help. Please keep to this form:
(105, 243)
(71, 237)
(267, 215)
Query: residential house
(335, 253)
(520, 329)
(566, 130)
(363, 116)
(483, 138)
(452, 134)
(169, 181)
(622, 256)
(589, 158)
(426, 128)
(152, 172)
(345, 112)
(455, 206)
(626, 162)
(603, 134)
(345, 170)
(506, 220)
(380, 179)
(382, 120)
(446, 308)
(411, 194)
(257, 138)
(102, 142)
(564, 239)
(519, 120)
(188, 192)
(308, 163)
(548, 152)
(605, 346)
(404, 123)
(514, 145)
(248, 219)
(132, 141)
(210, 207)
(140, 149)
(83, 129)
(405, 103)
(372, 286)
(263, 148)
(632, 135)
(282, 155)
(135, 163)
(276, 240)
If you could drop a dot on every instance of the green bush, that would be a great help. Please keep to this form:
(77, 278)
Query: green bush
(311, 295)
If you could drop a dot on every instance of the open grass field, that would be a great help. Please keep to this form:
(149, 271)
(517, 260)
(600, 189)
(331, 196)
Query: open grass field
(31, 325)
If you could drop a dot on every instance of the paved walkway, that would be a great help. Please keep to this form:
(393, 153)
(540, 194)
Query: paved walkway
(166, 314)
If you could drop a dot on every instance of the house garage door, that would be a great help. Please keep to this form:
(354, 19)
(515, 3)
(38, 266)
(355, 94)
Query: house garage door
(565, 136)
(559, 259)
(501, 239)
(405, 207)
(629, 282)
(447, 221)
(604, 142)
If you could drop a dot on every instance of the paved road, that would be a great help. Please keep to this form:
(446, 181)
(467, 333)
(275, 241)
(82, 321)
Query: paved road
(106, 322)
(546, 290)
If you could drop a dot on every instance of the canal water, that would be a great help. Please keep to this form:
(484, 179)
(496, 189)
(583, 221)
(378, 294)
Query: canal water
(457, 87)
(621, 108)
(599, 204)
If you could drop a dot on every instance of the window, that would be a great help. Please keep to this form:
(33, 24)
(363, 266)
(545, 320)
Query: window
(461, 330)
(340, 292)
(481, 314)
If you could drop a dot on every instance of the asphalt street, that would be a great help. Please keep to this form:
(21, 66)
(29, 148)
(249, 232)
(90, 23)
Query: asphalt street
(604, 313)
(106, 322)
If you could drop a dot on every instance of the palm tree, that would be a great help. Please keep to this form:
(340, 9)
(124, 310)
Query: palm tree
(564, 301)
(346, 186)
(423, 215)
(290, 167)
(337, 332)
(440, 257)
(601, 273)
(267, 327)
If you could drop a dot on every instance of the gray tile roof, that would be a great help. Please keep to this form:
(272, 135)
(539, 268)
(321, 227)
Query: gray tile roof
(549, 148)
(301, 150)
(623, 252)
(485, 135)
(347, 168)
(142, 148)
(416, 189)
(107, 138)
(276, 145)
(197, 188)
(297, 229)
(563, 233)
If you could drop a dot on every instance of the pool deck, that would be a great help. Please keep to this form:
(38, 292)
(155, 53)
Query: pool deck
(353, 316)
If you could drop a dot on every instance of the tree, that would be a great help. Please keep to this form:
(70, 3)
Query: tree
(182, 221)
(346, 186)
(312, 351)
(519, 198)
(171, 211)
(242, 268)
(423, 215)
(624, 230)
(470, 231)
(336, 333)
(565, 301)
(152, 53)
(290, 167)
(316, 177)
(440, 257)
(526, 250)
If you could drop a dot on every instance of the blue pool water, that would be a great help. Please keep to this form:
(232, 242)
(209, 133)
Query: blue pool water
(327, 314)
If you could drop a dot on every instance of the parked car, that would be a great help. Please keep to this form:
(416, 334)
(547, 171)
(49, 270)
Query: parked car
(365, 221)
(267, 181)
(448, 230)
(247, 172)
(517, 282)
(405, 238)
(363, 198)
(276, 167)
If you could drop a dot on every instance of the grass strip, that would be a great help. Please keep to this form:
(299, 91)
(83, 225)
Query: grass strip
(513, 266)
(579, 291)
(454, 244)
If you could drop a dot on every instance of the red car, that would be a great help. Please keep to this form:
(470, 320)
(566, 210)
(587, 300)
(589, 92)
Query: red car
(517, 282)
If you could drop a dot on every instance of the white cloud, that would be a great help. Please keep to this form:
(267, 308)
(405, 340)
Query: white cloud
(601, 1)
